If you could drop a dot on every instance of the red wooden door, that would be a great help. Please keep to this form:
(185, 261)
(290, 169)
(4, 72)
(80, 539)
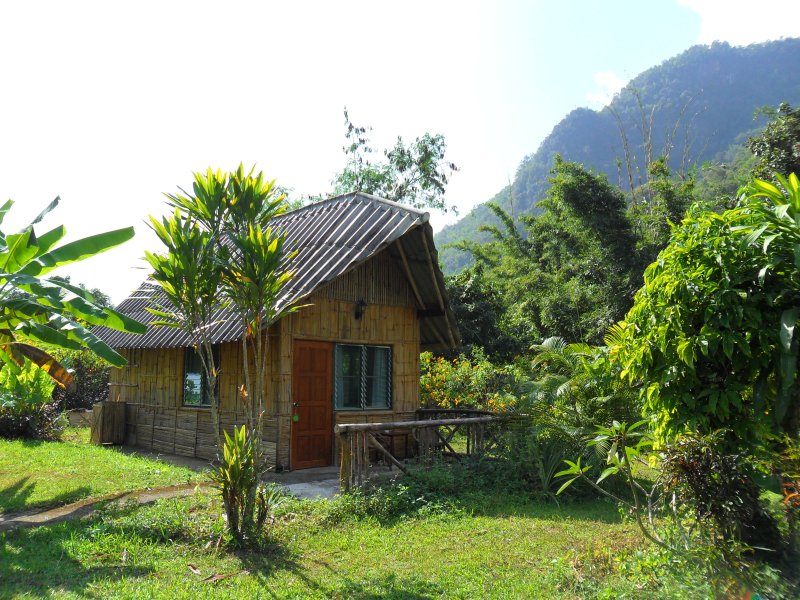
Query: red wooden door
(312, 405)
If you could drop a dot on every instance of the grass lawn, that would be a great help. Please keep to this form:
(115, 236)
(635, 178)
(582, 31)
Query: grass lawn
(37, 474)
(509, 548)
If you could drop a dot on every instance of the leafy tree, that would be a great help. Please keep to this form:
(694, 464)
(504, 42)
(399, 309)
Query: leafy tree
(415, 174)
(663, 201)
(90, 373)
(189, 277)
(27, 409)
(777, 148)
(570, 271)
(711, 333)
(50, 310)
(222, 250)
(478, 306)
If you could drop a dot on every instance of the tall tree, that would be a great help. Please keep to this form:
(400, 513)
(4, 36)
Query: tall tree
(711, 335)
(415, 174)
(570, 271)
(478, 306)
(777, 148)
(189, 276)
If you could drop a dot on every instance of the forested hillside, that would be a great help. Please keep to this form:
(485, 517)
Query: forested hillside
(692, 109)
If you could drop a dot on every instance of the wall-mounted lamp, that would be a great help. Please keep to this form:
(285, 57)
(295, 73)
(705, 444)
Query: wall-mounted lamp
(361, 307)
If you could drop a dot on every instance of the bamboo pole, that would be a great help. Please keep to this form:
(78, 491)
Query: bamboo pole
(376, 444)
(364, 457)
(352, 427)
(344, 462)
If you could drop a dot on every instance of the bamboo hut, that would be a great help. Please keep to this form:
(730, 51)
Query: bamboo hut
(369, 272)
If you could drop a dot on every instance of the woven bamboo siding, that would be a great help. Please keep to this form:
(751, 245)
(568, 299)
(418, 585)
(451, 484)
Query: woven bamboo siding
(153, 380)
(390, 319)
(152, 387)
(377, 281)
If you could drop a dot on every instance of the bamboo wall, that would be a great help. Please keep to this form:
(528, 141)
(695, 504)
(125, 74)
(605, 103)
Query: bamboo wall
(152, 382)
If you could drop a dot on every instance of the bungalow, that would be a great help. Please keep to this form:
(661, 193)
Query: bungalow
(369, 271)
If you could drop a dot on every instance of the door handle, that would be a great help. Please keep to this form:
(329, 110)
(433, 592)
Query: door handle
(295, 404)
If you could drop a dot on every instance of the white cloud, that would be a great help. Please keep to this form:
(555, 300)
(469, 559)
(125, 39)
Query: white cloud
(608, 84)
(742, 22)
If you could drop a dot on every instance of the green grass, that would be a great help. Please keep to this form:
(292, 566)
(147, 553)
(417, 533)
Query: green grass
(516, 549)
(39, 474)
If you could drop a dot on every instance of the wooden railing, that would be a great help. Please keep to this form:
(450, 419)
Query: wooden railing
(432, 435)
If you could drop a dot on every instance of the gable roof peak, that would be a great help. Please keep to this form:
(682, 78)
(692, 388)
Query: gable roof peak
(363, 197)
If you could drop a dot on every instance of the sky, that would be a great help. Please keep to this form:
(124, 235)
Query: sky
(110, 104)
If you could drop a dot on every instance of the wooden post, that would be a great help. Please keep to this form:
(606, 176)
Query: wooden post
(344, 462)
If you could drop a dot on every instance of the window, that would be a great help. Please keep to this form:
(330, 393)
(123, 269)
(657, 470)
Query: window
(363, 377)
(195, 385)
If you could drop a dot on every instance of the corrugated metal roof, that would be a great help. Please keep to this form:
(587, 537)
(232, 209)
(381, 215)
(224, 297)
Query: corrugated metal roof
(330, 237)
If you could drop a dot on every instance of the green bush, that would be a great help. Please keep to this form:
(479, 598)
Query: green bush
(27, 408)
(390, 502)
(91, 375)
(467, 381)
(722, 494)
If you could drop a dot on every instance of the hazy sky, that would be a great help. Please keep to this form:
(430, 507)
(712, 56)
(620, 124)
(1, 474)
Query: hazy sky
(109, 104)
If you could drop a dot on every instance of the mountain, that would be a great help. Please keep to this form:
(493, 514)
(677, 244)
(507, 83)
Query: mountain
(692, 108)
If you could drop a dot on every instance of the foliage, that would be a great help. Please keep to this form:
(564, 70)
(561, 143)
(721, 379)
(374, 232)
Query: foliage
(478, 306)
(777, 148)
(51, 310)
(27, 409)
(556, 396)
(189, 276)
(658, 204)
(711, 331)
(415, 174)
(579, 386)
(391, 502)
(467, 381)
(702, 508)
(90, 378)
(568, 272)
(224, 250)
(718, 180)
(247, 502)
(532, 452)
(719, 488)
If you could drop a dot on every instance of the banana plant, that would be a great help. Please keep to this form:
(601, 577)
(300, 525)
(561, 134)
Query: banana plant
(48, 310)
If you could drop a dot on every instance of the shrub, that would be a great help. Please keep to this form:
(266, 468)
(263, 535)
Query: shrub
(466, 382)
(389, 502)
(27, 409)
(247, 503)
(91, 374)
(720, 490)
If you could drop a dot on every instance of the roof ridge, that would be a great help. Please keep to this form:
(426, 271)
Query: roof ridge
(422, 215)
